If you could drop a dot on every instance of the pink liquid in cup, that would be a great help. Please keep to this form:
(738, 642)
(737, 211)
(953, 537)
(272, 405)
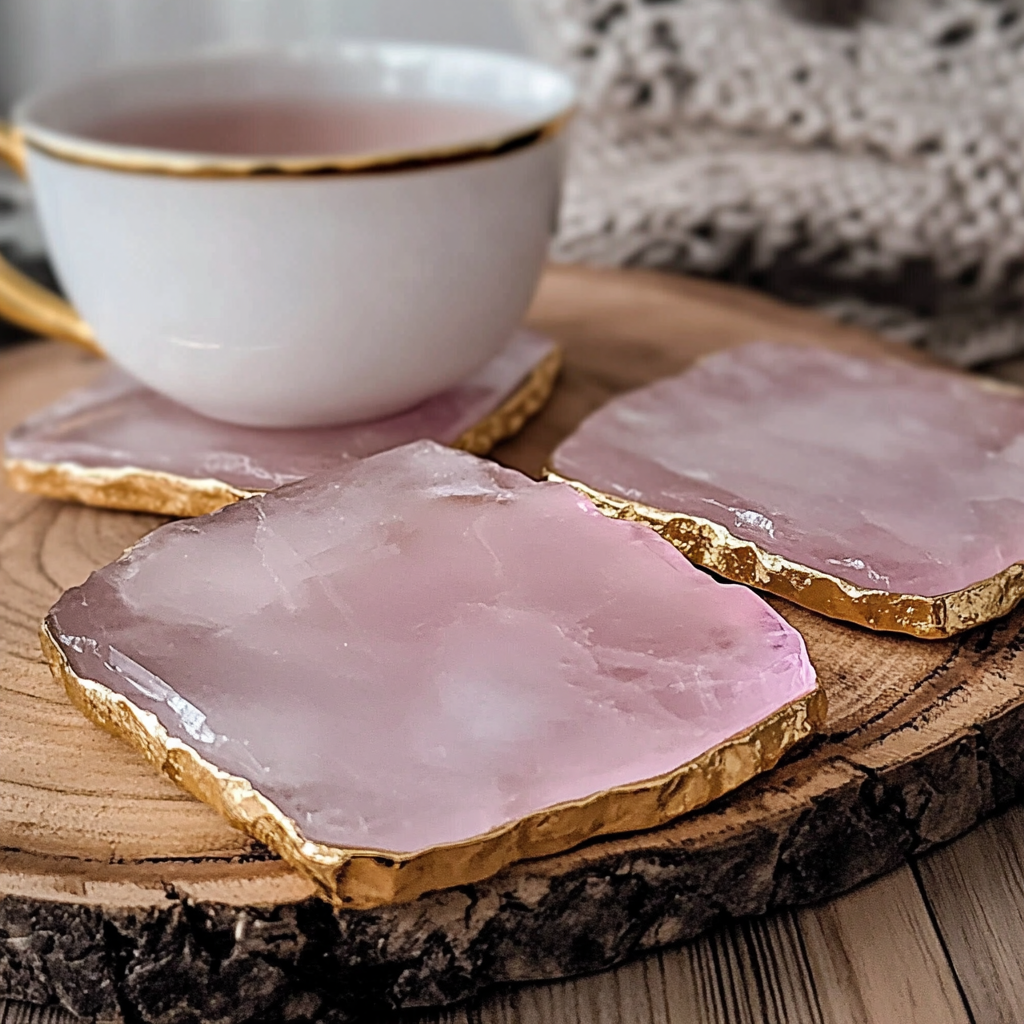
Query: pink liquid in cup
(305, 127)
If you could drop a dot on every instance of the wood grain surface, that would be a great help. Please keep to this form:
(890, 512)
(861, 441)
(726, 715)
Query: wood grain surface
(771, 970)
(121, 898)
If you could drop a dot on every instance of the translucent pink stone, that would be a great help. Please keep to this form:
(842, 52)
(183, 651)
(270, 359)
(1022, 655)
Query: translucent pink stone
(118, 422)
(421, 646)
(887, 475)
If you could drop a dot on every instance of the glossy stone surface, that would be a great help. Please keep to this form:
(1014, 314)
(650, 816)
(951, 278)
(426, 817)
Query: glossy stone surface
(887, 475)
(118, 422)
(422, 646)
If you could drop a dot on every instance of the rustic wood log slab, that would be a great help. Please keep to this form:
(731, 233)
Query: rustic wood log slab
(123, 899)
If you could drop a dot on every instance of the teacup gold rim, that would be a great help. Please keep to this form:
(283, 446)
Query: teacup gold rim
(82, 152)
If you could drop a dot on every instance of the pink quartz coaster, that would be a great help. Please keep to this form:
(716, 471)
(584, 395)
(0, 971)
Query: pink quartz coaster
(874, 491)
(409, 672)
(117, 444)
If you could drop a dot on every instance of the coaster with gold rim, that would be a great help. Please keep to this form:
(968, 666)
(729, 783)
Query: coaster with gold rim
(417, 669)
(117, 444)
(873, 491)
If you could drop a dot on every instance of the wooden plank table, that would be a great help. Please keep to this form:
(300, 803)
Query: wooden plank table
(940, 939)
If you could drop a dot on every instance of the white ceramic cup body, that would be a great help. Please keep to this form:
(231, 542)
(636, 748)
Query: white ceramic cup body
(287, 300)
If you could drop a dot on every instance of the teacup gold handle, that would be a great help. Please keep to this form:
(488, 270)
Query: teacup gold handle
(24, 302)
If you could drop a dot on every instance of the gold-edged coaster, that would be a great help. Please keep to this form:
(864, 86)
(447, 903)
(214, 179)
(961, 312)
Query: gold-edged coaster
(872, 491)
(117, 444)
(411, 672)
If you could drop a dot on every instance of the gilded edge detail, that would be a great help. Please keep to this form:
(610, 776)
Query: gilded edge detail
(188, 166)
(523, 404)
(362, 879)
(712, 546)
(127, 489)
(133, 489)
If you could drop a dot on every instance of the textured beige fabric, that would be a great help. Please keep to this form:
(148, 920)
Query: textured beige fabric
(866, 157)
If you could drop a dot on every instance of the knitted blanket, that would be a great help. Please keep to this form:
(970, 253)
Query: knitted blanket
(865, 156)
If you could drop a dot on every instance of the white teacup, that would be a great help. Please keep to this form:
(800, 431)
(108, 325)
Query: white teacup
(294, 237)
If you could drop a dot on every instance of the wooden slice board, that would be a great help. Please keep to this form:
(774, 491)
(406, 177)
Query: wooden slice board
(122, 898)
